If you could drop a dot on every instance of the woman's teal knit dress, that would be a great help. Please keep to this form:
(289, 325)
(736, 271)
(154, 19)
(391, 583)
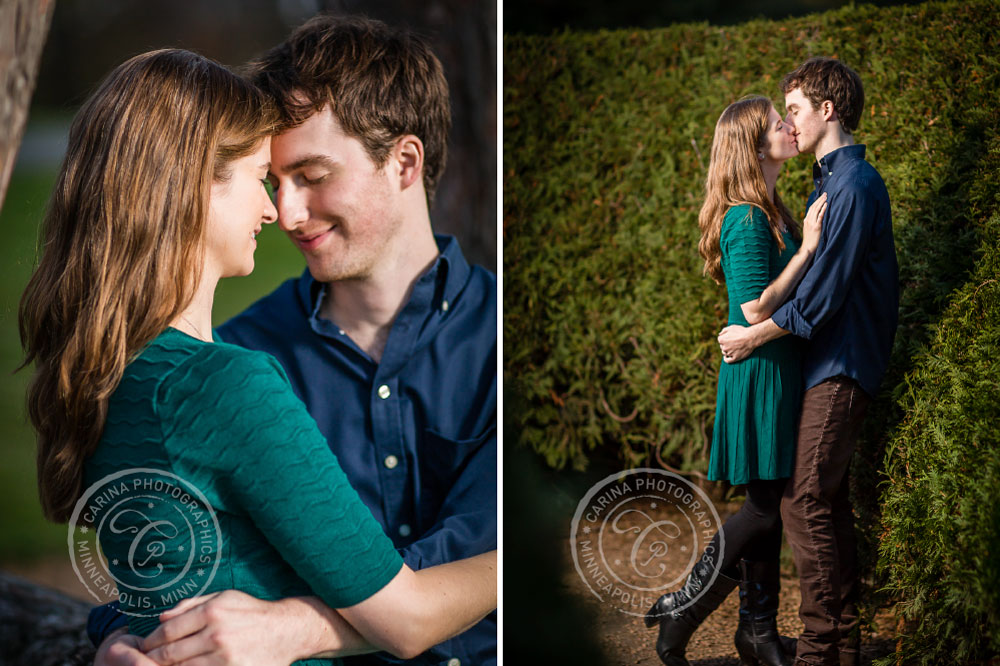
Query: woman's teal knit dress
(759, 398)
(226, 421)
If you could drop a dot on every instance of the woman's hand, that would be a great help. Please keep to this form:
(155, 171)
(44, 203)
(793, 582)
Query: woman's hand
(813, 224)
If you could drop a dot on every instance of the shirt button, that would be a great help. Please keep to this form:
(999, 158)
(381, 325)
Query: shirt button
(444, 306)
(454, 661)
(404, 530)
(391, 461)
(384, 392)
(341, 331)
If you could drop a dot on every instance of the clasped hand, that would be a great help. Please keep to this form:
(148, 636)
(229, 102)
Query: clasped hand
(215, 629)
(736, 343)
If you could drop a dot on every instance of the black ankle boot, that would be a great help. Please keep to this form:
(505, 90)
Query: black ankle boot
(757, 639)
(677, 626)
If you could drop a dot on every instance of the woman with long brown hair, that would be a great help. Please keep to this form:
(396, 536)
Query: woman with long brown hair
(750, 242)
(160, 195)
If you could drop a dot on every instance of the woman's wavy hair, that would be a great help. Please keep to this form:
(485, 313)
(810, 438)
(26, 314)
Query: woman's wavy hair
(735, 177)
(121, 242)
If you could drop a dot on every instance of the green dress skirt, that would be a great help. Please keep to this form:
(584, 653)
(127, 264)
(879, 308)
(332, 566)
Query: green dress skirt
(759, 398)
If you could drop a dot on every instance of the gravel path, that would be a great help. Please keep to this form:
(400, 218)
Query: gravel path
(625, 640)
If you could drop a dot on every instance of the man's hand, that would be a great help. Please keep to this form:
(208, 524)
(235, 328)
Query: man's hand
(121, 648)
(223, 628)
(737, 342)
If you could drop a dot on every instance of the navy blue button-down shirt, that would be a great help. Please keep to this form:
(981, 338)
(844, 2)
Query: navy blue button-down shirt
(847, 304)
(416, 432)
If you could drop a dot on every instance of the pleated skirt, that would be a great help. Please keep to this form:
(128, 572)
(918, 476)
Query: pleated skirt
(757, 414)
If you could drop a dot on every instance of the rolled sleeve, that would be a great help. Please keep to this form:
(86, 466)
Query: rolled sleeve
(102, 620)
(790, 319)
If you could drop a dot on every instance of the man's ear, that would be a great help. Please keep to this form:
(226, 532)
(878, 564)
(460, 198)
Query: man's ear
(409, 158)
(826, 108)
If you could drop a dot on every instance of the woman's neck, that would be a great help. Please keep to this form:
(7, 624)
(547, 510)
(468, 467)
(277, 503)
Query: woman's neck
(196, 318)
(771, 170)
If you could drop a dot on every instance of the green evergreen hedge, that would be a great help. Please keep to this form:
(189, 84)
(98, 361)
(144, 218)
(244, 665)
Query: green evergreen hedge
(610, 328)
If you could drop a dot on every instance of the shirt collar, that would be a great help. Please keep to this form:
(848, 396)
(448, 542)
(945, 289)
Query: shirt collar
(836, 160)
(449, 273)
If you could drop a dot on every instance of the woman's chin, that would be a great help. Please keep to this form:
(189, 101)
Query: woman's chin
(243, 271)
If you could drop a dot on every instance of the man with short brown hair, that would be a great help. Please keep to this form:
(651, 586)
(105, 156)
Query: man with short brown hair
(380, 83)
(847, 308)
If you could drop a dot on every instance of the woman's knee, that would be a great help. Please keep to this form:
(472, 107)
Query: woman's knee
(766, 517)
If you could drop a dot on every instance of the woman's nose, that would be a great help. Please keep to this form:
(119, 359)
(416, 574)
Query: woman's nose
(270, 212)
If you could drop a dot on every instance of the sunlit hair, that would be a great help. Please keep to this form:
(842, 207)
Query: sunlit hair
(380, 82)
(735, 177)
(121, 242)
(822, 79)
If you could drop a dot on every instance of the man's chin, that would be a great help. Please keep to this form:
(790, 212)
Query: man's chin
(327, 273)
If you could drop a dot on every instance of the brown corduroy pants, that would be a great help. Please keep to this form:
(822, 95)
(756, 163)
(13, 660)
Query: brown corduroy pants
(819, 521)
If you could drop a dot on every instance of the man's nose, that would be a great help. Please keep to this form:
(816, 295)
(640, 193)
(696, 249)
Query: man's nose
(292, 208)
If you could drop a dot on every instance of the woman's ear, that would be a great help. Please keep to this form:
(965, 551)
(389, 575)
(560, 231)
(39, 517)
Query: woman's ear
(409, 156)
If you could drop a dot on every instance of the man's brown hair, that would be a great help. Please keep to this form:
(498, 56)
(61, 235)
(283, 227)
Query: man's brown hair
(380, 82)
(824, 79)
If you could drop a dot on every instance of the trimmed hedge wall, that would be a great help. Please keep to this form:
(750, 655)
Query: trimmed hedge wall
(940, 549)
(610, 327)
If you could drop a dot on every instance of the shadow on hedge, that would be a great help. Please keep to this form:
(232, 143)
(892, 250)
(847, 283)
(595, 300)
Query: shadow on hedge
(936, 258)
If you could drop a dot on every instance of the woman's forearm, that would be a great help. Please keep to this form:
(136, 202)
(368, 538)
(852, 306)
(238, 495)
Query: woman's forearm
(473, 579)
(419, 609)
(779, 290)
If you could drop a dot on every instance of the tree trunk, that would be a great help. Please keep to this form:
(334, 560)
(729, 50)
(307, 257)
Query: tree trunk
(41, 627)
(23, 26)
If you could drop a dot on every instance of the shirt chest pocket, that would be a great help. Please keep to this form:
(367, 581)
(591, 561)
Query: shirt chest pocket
(447, 464)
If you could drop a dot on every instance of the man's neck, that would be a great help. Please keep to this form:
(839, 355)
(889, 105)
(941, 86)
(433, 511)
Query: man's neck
(365, 308)
(833, 140)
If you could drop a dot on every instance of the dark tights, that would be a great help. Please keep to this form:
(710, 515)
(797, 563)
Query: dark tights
(754, 532)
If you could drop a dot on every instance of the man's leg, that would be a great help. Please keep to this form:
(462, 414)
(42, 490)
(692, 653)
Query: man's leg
(828, 427)
(847, 551)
